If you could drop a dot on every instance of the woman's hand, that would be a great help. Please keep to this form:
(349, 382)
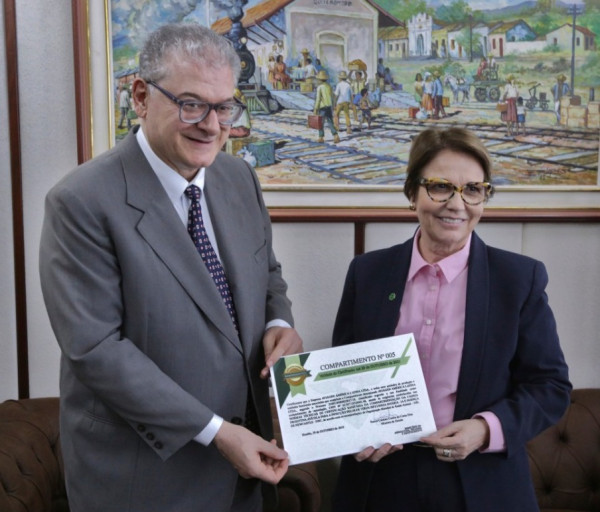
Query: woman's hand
(459, 439)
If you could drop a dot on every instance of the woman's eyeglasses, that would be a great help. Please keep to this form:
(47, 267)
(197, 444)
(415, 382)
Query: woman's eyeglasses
(441, 190)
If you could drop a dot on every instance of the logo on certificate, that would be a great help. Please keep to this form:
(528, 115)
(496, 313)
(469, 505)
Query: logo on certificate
(295, 375)
(290, 376)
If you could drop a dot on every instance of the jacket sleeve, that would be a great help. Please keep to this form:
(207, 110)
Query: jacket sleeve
(539, 387)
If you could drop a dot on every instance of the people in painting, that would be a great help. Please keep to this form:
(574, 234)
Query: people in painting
(163, 391)
(388, 80)
(418, 86)
(124, 106)
(438, 96)
(243, 126)
(343, 101)
(521, 115)
(559, 90)
(310, 72)
(380, 73)
(282, 79)
(486, 338)
(483, 64)
(358, 82)
(365, 108)
(305, 56)
(509, 115)
(271, 71)
(443, 52)
(427, 102)
(324, 106)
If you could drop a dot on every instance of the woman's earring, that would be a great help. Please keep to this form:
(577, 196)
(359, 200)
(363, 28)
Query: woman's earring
(412, 206)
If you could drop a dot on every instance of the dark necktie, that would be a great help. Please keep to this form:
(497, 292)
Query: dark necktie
(198, 233)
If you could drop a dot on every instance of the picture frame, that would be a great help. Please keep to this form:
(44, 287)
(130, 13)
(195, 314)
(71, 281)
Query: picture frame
(94, 85)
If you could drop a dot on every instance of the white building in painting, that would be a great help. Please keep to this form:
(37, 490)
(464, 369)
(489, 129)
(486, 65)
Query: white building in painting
(334, 31)
(419, 35)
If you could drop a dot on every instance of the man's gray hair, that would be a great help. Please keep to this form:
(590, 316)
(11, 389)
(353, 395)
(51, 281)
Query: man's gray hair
(186, 41)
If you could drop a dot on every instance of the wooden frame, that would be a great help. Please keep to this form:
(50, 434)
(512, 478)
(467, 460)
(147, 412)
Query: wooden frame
(12, 73)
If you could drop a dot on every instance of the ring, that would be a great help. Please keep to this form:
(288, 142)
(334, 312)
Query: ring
(447, 452)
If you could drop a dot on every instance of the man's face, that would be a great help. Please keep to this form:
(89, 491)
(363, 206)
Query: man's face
(185, 147)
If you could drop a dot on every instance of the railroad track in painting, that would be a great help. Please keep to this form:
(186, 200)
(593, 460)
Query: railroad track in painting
(357, 158)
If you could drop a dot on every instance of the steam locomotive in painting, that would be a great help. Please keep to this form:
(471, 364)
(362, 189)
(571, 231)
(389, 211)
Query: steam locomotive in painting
(257, 97)
(239, 37)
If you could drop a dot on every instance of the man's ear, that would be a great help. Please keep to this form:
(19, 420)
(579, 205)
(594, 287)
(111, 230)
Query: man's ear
(139, 97)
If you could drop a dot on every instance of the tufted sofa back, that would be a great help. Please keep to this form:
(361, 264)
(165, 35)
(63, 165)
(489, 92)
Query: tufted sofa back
(31, 468)
(565, 459)
(32, 473)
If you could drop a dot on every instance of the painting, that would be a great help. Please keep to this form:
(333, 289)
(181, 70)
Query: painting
(402, 67)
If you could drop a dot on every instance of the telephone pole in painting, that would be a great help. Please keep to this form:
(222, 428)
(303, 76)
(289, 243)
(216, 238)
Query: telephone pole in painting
(574, 9)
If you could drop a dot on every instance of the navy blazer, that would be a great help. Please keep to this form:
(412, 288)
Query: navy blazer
(512, 364)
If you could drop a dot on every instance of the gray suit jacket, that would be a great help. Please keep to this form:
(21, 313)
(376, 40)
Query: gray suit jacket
(149, 352)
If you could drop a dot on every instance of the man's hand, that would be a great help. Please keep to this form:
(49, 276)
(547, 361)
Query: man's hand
(277, 342)
(371, 454)
(251, 455)
(459, 439)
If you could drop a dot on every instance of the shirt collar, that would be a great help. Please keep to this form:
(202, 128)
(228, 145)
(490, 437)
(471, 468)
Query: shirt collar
(450, 266)
(173, 182)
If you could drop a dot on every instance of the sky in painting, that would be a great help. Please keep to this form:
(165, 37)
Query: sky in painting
(132, 19)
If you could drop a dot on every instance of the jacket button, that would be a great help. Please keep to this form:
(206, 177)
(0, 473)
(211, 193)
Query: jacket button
(236, 420)
(158, 445)
(150, 436)
(141, 428)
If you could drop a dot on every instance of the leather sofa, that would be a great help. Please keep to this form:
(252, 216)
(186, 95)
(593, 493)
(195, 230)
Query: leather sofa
(32, 473)
(565, 459)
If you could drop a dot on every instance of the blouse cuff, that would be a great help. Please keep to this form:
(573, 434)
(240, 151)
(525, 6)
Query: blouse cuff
(497, 442)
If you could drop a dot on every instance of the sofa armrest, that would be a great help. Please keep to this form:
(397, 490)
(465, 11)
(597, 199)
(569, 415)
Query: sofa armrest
(31, 467)
(565, 458)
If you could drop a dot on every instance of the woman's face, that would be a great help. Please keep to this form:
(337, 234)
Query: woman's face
(445, 227)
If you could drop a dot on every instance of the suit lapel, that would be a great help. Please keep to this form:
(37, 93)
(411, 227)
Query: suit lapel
(233, 243)
(165, 233)
(476, 320)
(392, 289)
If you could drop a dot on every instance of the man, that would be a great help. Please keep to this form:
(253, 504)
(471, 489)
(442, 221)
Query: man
(559, 90)
(124, 106)
(310, 72)
(160, 368)
(438, 96)
(357, 84)
(343, 100)
(324, 106)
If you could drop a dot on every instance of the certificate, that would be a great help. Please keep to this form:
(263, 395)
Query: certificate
(340, 400)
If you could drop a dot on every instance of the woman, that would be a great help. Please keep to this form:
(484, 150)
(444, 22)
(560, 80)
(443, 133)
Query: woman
(271, 72)
(509, 116)
(427, 100)
(282, 79)
(418, 88)
(487, 342)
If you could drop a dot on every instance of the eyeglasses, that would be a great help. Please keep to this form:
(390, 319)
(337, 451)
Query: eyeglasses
(195, 111)
(441, 190)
